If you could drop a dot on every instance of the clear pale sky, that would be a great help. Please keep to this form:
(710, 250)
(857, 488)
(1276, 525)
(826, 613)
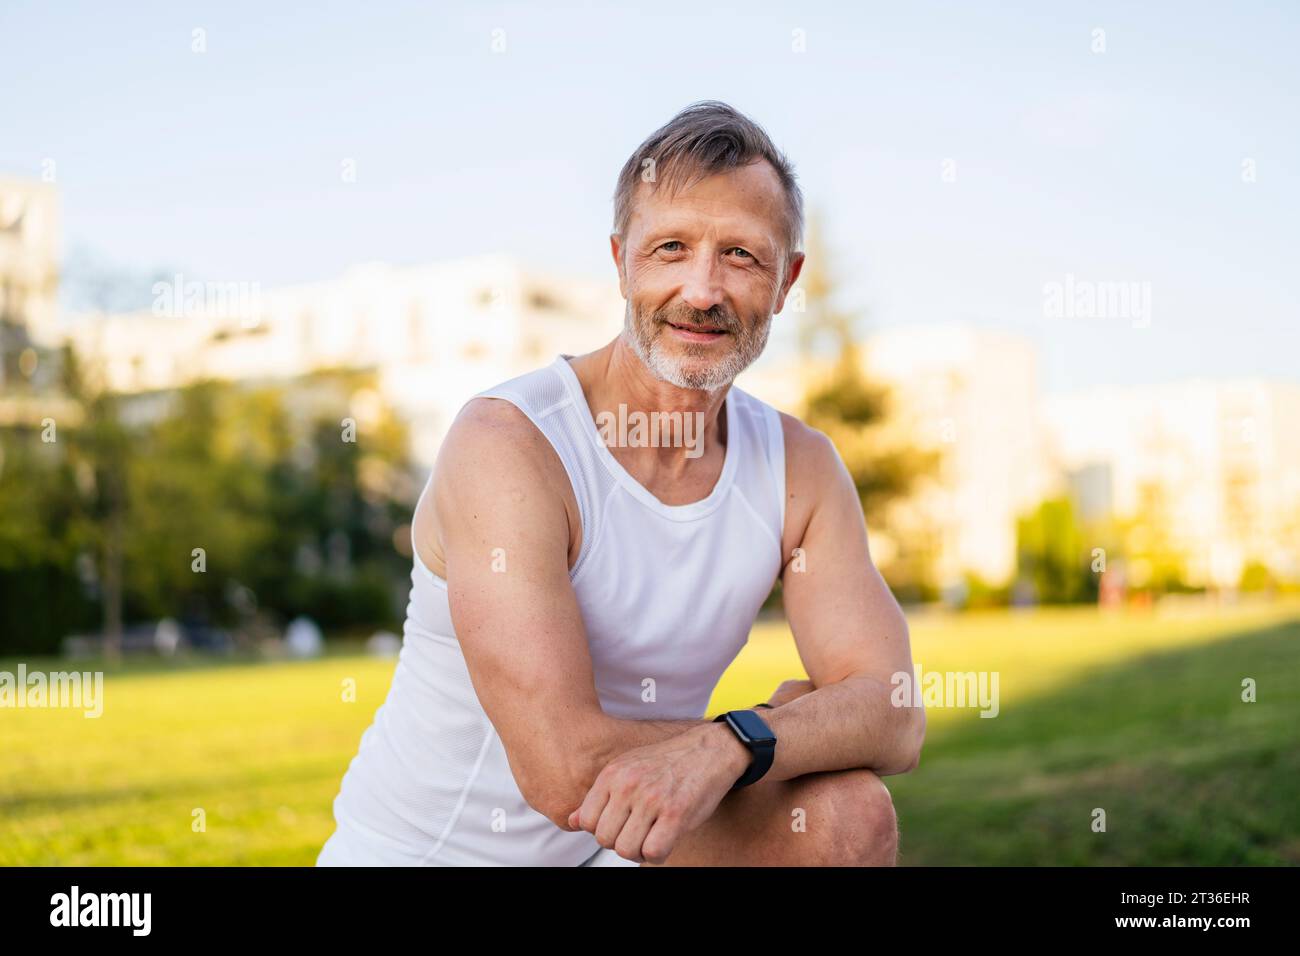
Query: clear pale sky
(1122, 165)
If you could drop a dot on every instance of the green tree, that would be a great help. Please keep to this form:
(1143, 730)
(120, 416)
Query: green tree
(1051, 552)
(854, 413)
(293, 513)
(843, 403)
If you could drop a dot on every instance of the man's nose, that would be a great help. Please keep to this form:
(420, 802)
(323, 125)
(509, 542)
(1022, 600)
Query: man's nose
(702, 288)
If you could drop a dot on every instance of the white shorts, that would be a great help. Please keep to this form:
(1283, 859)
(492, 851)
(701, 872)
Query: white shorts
(603, 857)
(339, 851)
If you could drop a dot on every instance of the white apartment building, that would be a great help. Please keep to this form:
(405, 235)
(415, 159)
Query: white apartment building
(1215, 465)
(971, 394)
(436, 334)
(29, 249)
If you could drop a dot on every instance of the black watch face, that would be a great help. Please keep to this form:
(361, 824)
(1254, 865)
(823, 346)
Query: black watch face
(752, 726)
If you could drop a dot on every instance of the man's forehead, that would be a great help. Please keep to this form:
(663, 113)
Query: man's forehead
(749, 197)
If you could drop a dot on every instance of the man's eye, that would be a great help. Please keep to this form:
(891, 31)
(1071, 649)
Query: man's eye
(744, 252)
(670, 242)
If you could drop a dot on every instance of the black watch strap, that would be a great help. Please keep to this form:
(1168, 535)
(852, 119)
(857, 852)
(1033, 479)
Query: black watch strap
(762, 754)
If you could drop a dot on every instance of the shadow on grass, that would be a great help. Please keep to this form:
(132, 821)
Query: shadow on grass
(1186, 772)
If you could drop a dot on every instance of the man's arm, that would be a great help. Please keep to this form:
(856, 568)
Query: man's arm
(501, 512)
(850, 632)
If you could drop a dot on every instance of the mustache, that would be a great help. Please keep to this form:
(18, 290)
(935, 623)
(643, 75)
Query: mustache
(712, 319)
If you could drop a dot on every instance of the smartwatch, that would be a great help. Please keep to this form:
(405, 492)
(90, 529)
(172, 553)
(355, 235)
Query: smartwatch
(752, 731)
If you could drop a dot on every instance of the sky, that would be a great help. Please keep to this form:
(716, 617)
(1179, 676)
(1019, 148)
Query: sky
(960, 156)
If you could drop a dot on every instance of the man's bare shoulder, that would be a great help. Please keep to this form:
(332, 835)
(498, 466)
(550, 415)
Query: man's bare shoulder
(815, 475)
(811, 458)
(495, 426)
(493, 462)
(494, 447)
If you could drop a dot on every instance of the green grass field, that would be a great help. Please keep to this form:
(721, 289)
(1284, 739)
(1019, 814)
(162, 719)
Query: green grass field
(1138, 714)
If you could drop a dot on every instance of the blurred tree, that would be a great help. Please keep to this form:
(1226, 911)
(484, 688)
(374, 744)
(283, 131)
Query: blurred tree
(1156, 563)
(97, 450)
(294, 512)
(41, 596)
(196, 510)
(1256, 576)
(1052, 556)
(842, 403)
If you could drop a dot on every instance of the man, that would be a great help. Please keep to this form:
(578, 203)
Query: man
(576, 594)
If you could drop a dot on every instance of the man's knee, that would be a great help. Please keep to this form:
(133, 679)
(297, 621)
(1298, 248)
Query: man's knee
(859, 827)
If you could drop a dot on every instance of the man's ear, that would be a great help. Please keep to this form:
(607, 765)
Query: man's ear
(792, 276)
(616, 248)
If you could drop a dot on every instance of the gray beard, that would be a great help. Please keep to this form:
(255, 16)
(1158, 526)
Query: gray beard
(644, 338)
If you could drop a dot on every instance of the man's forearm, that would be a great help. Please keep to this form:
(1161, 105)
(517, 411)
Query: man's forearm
(588, 749)
(842, 726)
(607, 737)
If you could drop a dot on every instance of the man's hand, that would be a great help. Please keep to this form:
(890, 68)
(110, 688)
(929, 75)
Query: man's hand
(647, 798)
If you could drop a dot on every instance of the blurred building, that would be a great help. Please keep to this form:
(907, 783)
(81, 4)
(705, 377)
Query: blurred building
(435, 334)
(971, 394)
(1209, 469)
(29, 268)
(1205, 473)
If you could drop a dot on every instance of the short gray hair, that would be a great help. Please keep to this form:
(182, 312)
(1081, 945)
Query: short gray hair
(705, 138)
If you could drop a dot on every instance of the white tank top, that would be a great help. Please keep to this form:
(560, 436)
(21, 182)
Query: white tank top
(668, 594)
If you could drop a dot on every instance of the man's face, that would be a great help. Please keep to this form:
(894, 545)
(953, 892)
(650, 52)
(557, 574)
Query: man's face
(702, 274)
